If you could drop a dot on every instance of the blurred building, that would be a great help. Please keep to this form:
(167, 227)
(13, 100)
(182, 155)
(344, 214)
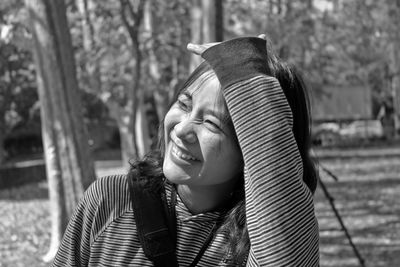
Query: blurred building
(342, 103)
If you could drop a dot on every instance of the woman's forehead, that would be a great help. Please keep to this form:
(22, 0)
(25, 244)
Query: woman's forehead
(206, 91)
(206, 83)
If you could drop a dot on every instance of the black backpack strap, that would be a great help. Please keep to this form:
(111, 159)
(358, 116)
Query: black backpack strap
(151, 221)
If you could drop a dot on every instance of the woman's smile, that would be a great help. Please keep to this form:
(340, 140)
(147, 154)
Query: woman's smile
(198, 151)
(181, 153)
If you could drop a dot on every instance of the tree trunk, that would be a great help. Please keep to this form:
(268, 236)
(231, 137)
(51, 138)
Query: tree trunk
(196, 31)
(128, 149)
(271, 6)
(2, 136)
(132, 18)
(395, 65)
(208, 21)
(68, 162)
(142, 127)
(160, 92)
(204, 25)
(86, 9)
(58, 208)
(161, 103)
(219, 20)
(123, 116)
(279, 7)
(395, 86)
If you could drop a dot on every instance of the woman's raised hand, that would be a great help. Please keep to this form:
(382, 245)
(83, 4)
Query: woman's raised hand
(198, 49)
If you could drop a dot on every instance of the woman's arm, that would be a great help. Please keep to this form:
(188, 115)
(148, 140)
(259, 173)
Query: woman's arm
(280, 215)
(281, 223)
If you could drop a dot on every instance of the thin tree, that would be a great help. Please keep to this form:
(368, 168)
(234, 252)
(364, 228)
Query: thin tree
(129, 110)
(165, 33)
(206, 25)
(132, 19)
(68, 163)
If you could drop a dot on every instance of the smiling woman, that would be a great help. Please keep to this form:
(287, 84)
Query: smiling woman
(233, 169)
(201, 154)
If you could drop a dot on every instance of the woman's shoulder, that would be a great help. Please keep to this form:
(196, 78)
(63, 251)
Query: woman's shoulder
(111, 183)
(107, 186)
(104, 202)
(109, 193)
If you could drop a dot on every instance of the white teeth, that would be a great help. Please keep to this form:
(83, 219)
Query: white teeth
(180, 154)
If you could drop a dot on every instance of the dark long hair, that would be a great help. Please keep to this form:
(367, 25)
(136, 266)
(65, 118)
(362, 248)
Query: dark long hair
(234, 224)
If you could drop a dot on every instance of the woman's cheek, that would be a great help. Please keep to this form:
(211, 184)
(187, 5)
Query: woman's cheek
(210, 143)
(171, 119)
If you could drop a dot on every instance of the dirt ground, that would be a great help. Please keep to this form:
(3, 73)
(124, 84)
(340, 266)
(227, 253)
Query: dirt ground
(366, 195)
(367, 198)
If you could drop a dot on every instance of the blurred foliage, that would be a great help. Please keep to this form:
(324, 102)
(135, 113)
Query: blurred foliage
(17, 85)
(111, 47)
(340, 42)
(18, 95)
(334, 42)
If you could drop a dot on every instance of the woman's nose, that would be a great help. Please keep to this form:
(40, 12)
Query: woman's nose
(185, 131)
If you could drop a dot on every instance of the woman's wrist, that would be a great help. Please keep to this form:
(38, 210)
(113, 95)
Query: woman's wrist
(238, 59)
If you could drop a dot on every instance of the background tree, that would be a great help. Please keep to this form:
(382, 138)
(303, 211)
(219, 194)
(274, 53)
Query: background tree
(371, 54)
(68, 163)
(138, 66)
(131, 58)
(18, 96)
(111, 66)
(166, 35)
(206, 24)
(17, 93)
(340, 43)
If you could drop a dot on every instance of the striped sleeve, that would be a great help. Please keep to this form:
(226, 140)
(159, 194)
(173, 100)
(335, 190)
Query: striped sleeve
(281, 222)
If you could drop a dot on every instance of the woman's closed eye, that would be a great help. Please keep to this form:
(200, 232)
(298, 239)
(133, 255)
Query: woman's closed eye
(184, 101)
(184, 104)
(213, 125)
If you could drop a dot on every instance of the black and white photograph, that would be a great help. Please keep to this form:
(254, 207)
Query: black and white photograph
(202, 133)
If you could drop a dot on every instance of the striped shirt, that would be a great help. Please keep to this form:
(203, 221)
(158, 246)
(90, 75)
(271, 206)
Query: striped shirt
(281, 223)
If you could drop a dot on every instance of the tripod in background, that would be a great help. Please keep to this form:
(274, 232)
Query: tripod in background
(336, 212)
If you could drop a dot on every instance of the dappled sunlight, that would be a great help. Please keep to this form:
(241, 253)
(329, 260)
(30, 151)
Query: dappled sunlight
(367, 201)
(366, 197)
(24, 224)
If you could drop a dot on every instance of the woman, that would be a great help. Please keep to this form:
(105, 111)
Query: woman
(234, 154)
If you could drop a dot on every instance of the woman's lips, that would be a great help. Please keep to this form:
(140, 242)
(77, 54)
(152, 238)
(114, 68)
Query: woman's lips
(181, 153)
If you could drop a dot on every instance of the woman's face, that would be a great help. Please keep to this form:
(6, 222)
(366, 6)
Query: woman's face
(200, 147)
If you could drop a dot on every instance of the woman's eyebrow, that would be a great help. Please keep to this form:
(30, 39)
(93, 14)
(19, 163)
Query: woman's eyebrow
(209, 111)
(187, 95)
(217, 114)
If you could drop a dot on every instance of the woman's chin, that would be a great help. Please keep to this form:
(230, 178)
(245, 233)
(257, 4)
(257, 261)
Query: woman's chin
(177, 180)
(178, 173)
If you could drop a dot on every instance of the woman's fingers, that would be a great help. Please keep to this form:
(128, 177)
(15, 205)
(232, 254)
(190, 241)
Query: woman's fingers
(262, 36)
(198, 49)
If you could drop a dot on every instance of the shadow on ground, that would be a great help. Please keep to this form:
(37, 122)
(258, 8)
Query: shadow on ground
(26, 192)
(367, 197)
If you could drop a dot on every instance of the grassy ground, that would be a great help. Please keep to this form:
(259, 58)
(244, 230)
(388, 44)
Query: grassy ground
(367, 196)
